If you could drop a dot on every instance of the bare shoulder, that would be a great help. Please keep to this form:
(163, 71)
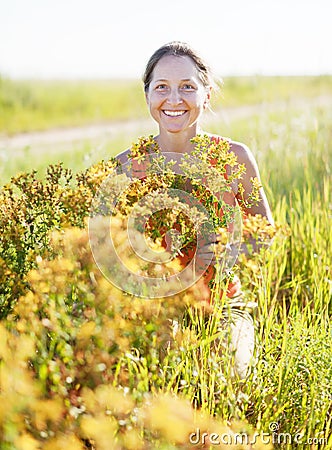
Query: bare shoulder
(123, 156)
(245, 156)
(242, 152)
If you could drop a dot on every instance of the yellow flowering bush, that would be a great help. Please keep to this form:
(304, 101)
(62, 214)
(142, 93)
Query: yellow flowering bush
(30, 208)
(84, 364)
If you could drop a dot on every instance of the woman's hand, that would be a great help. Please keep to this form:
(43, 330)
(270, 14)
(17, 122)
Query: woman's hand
(219, 251)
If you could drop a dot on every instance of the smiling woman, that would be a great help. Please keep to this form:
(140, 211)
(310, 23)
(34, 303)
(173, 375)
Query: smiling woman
(177, 83)
(178, 86)
(176, 99)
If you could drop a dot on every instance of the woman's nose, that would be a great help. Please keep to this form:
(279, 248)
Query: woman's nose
(174, 97)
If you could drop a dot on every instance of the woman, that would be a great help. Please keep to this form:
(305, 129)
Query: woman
(178, 85)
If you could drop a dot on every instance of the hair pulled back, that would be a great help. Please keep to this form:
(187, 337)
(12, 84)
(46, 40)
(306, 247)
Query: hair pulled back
(177, 48)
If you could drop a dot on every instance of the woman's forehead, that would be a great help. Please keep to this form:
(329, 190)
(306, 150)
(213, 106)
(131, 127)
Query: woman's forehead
(169, 67)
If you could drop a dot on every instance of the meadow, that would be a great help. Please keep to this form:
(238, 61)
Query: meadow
(28, 105)
(84, 366)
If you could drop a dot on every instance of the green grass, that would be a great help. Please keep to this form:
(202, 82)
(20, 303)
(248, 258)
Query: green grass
(77, 156)
(238, 91)
(292, 282)
(27, 105)
(38, 105)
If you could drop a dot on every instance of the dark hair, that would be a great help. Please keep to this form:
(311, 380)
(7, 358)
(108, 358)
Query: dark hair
(177, 48)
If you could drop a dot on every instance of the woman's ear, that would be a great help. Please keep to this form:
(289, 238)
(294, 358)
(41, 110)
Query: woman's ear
(208, 97)
(147, 97)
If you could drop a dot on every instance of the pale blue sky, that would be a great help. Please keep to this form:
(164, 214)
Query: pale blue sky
(114, 38)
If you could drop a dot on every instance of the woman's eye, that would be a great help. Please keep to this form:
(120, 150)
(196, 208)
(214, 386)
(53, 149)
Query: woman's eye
(161, 87)
(188, 87)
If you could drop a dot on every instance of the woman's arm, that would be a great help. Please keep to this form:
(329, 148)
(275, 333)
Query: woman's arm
(245, 156)
(262, 208)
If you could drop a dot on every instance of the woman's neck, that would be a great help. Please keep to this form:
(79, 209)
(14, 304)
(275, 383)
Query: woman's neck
(177, 142)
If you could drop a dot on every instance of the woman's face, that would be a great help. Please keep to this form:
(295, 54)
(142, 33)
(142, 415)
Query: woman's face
(176, 96)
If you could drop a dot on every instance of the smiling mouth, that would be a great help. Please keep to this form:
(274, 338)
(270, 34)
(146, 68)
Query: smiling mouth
(174, 113)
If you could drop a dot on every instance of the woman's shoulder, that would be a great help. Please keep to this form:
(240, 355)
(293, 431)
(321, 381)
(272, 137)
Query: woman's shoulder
(245, 156)
(123, 156)
(241, 150)
(143, 141)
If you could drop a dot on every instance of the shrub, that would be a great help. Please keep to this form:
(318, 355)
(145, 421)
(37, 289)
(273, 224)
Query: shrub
(82, 362)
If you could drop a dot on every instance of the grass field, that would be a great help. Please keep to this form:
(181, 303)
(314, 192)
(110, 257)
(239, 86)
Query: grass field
(287, 398)
(38, 105)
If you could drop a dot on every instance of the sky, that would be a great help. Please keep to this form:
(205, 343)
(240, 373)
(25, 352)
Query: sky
(115, 38)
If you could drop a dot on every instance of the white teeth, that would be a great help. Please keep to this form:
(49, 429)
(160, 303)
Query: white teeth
(174, 113)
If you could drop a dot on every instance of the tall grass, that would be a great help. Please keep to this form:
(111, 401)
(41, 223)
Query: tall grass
(293, 282)
(288, 396)
(27, 105)
(75, 155)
